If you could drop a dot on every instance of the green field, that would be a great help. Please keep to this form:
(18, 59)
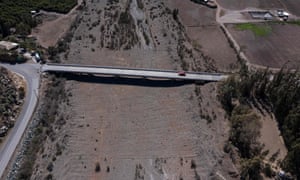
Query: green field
(297, 22)
(257, 29)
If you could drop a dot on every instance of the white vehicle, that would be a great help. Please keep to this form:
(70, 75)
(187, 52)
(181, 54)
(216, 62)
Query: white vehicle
(283, 14)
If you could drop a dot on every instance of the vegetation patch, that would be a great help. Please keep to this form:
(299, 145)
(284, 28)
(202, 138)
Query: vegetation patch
(139, 172)
(11, 99)
(118, 32)
(296, 22)
(272, 93)
(97, 167)
(140, 4)
(46, 117)
(257, 29)
(147, 40)
(11, 57)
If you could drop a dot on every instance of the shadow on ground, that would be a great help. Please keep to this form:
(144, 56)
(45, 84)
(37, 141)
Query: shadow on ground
(127, 80)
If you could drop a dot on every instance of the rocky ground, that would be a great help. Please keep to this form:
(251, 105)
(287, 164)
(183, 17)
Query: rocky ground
(139, 128)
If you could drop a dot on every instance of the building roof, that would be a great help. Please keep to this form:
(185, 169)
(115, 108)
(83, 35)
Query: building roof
(8, 45)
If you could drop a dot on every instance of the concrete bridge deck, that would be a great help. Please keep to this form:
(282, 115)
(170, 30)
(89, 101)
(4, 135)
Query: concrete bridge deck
(132, 72)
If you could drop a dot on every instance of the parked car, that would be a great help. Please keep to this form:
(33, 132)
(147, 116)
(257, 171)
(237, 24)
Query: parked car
(283, 14)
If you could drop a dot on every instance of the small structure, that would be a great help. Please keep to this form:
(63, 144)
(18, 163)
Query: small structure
(8, 45)
(266, 15)
(33, 12)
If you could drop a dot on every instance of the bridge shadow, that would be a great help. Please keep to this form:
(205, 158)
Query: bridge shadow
(146, 82)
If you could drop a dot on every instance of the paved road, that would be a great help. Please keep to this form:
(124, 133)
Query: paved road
(31, 74)
(130, 72)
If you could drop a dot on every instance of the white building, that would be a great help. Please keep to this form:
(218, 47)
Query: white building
(8, 45)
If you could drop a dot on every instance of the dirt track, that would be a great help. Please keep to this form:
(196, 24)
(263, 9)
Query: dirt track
(137, 128)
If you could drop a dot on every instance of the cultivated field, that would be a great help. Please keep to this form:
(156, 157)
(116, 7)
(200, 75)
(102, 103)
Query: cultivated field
(274, 49)
(242, 4)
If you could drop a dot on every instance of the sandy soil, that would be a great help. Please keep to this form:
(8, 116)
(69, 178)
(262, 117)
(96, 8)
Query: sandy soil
(273, 50)
(271, 138)
(138, 128)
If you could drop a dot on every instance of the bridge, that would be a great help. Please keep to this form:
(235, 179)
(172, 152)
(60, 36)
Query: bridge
(132, 72)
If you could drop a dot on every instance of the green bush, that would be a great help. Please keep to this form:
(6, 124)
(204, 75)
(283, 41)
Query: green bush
(251, 169)
(97, 168)
(268, 171)
(125, 18)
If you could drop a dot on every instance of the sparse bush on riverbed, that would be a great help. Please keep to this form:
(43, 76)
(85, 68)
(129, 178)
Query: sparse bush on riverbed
(47, 118)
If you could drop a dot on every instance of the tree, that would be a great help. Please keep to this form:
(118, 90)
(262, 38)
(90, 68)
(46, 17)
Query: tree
(21, 92)
(97, 168)
(251, 169)
(291, 127)
(227, 91)
(175, 14)
(23, 29)
(292, 161)
(245, 130)
(52, 51)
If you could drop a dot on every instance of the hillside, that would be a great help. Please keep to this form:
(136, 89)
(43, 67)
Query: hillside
(11, 98)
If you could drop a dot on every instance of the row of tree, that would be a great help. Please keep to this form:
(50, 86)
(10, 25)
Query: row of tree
(278, 93)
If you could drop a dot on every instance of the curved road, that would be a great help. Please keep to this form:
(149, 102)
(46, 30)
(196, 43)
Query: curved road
(30, 72)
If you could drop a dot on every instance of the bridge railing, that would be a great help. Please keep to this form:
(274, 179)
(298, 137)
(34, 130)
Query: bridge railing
(129, 68)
